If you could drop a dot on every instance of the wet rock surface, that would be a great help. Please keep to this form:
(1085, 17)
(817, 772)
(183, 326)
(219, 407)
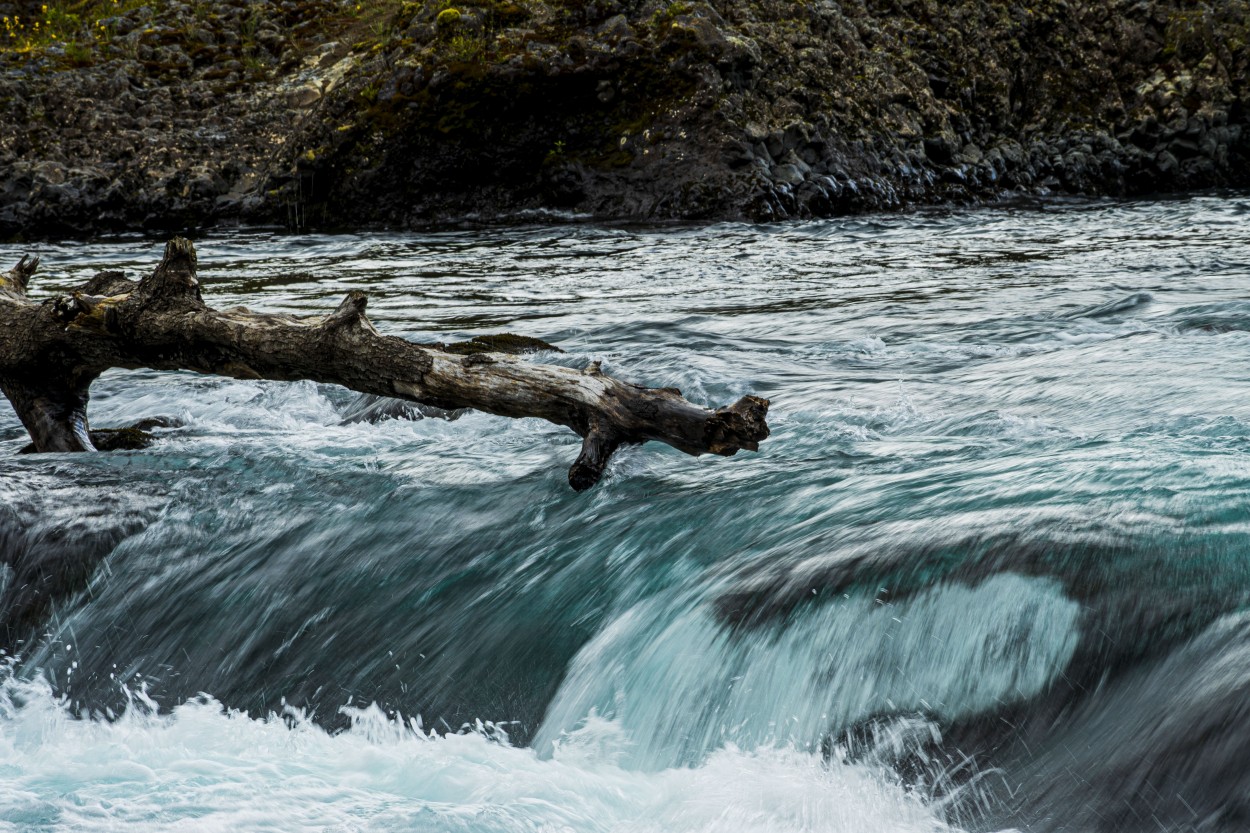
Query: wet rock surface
(326, 115)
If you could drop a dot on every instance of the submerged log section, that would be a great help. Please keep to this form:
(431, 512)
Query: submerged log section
(51, 352)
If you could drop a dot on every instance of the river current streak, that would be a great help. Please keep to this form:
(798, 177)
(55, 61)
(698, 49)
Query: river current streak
(1002, 511)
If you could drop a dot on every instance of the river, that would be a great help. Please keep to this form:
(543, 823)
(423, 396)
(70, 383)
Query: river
(988, 573)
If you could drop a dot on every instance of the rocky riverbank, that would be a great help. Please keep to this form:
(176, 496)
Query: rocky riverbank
(330, 114)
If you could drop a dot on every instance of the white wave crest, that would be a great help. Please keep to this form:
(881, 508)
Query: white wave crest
(204, 768)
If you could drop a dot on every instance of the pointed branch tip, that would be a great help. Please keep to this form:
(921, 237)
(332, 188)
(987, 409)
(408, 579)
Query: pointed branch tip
(18, 278)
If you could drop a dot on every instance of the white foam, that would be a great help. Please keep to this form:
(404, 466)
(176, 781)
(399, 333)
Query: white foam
(205, 769)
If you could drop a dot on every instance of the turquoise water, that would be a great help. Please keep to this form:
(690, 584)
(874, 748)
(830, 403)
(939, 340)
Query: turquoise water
(988, 573)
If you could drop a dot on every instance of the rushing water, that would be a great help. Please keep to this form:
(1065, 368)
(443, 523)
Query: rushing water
(989, 572)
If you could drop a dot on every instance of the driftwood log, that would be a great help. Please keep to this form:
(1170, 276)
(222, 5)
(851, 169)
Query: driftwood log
(51, 352)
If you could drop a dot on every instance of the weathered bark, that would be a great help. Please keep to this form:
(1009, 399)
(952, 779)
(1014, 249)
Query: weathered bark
(51, 352)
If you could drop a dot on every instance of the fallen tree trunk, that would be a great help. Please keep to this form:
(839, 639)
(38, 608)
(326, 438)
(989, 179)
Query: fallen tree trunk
(51, 352)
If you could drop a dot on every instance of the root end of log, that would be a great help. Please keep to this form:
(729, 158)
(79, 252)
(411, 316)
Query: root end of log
(738, 426)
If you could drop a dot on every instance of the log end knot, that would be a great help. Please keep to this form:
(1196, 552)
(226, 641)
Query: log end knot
(737, 426)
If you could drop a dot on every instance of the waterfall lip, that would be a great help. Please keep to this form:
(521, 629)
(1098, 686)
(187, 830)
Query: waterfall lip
(1118, 627)
(682, 684)
(770, 587)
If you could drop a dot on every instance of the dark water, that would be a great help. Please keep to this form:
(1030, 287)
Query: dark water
(989, 572)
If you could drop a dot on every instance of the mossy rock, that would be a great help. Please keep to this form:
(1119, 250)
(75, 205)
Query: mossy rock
(121, 439)
(133, 438)
(509, 14)
(500, 343)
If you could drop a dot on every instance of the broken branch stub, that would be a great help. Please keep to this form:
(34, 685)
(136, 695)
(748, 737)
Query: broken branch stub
(51, 352)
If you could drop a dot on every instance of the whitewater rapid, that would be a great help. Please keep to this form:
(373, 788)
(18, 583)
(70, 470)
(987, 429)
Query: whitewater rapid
(988, 573)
